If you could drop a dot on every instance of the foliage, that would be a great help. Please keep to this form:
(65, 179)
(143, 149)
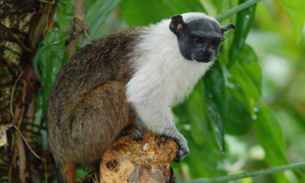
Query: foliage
(237, 108)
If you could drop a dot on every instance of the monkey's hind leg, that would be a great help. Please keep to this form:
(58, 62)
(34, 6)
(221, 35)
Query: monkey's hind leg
(94, 123)
(97, 120)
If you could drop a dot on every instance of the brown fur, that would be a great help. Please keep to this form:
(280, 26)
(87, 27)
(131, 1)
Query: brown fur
(87, 107)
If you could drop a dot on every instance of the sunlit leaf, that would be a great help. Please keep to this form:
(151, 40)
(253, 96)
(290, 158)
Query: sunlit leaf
(151, 11)
(270, 135)
(295, 12)
(65, 13)
(222, 5)
(97, 14)
(244, 22)
(244, 79)
(215, 98)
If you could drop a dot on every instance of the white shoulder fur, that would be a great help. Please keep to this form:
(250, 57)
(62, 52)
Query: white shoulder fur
(163, 77)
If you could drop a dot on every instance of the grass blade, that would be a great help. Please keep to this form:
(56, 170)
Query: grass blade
(251, 174)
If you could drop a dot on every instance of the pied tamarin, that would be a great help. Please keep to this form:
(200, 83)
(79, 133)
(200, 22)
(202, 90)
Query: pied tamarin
(139, 71)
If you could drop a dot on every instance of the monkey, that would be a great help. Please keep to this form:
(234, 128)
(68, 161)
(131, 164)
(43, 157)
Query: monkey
(137, 72)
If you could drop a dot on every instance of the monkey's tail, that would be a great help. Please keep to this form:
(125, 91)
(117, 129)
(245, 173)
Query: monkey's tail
(66, 172)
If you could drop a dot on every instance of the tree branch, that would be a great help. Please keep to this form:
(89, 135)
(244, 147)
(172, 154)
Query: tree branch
(146, 160)
(78, 26)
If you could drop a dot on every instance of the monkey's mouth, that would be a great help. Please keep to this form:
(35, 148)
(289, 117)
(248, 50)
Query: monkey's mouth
(204, 59)
(207, 57)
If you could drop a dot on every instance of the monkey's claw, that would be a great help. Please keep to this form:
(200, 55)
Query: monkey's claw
(182, 152)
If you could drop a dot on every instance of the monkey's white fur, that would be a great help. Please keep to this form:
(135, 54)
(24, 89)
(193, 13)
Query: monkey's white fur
(163, 77)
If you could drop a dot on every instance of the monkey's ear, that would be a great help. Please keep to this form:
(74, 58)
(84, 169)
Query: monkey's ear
(177, 24)
(225, 28)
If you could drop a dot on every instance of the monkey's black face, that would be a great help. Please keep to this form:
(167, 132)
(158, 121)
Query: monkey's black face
(200, 38)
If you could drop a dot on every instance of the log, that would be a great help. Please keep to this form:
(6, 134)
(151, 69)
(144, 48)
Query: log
(147, 160)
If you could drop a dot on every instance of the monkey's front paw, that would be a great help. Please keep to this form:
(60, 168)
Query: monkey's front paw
(135, 130)
(183, 149)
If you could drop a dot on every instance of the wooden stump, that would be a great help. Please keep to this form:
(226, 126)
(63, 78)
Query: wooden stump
(146, 160)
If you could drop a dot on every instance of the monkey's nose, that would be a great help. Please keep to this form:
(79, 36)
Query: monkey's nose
(205, 54)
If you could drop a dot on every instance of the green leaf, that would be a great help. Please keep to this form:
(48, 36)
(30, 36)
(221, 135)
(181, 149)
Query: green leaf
(80, 173)
(206, 160)
(65, 13)
(197, 112)
(47, 62)
(295, 12)
(244, 22)
(239, 119)
(244, 79)
(222, 6)
(181, 113)
(215, 98)
(97, 14)
(49, 59)
(139, 12)
(248, 60)
(270, 135)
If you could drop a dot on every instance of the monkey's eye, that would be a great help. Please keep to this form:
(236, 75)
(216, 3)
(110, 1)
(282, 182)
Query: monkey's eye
(214, 42)
(198, 40)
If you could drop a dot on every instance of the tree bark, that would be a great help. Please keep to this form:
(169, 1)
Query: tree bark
(23, 24)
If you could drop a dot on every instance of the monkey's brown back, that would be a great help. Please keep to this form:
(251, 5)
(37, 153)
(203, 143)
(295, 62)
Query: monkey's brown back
(87, 107)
